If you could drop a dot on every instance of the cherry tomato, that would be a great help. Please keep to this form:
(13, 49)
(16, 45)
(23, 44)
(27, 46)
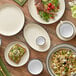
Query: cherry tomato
(52, 7)
(50, 4)
(52, 17)
(48, 8)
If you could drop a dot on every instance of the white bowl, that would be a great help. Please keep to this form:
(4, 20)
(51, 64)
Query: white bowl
(35, 67)
(40, 40)
(35, 15)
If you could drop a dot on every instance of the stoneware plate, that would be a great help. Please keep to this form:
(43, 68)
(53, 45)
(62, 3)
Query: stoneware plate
(33, 31)
(23, 60)
(11, 19)
(34, 14)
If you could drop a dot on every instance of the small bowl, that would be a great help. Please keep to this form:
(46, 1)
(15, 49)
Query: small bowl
(40, 41)
(66, 30)
(35, 67)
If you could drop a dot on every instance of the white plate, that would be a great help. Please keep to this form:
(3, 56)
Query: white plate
(31, 32)
(11, 19)
(34, 14)
(23, 60)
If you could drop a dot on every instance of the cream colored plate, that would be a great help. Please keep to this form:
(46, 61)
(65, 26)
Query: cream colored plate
(31, 32)
(11, 19)
(36, 16)
(23, 60)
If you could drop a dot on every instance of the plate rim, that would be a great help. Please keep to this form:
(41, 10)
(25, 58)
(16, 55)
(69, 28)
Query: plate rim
(24, 19)
(12, 43)
(50, 21)
(47, 33)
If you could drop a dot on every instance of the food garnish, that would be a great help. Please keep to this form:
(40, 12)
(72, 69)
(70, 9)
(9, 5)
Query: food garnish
(16, 53)
(63, 62)
(47, 9)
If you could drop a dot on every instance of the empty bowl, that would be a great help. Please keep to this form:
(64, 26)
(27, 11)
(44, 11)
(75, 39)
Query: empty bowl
(35, 67)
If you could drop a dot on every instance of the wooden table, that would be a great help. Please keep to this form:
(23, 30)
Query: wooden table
(22, 71)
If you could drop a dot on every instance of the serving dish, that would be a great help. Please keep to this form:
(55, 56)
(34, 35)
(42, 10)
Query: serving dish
(31, 32)
(11, 19)
(24, 58)
(54, 50)
(35, 15)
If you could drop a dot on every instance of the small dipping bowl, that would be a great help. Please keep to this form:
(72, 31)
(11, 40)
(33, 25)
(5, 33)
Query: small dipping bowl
(65, 30)
(35, 67)
(40, 41)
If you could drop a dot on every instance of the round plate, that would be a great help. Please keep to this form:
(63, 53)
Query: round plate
(31, 32)
(24, 58)
(53, 50)
(11, 19)
(63, 38)
(34, 14)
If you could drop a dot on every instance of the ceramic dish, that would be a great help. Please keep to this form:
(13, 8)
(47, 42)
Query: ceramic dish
(40, 41)
(31, 32)
(24, 58)
(34, 13)
(11, 19)
(66, 30)
(35, 67)
(55, 49)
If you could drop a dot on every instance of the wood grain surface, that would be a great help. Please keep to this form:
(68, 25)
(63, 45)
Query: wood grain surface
(22, 71)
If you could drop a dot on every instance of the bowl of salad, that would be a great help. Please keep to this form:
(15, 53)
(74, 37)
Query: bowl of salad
(46, 11)
(61, 61)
